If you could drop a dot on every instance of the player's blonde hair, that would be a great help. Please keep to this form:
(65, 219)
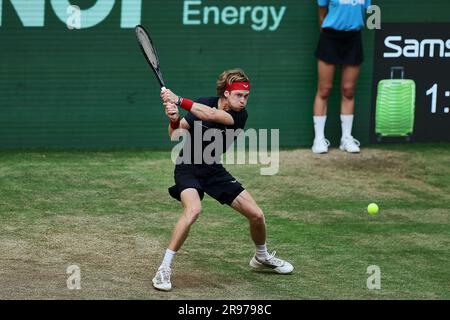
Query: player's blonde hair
(228, 77)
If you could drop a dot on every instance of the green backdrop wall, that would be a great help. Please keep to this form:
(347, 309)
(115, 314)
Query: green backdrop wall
(91, 87)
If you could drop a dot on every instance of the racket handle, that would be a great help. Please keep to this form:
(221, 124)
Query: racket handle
(162, 90)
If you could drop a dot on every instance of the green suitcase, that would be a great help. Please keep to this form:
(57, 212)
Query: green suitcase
(395, 107)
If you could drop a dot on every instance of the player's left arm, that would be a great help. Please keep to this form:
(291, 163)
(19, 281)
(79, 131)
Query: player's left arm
(176, 122)
(199, 110)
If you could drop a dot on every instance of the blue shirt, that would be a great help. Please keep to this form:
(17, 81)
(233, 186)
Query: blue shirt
(345, 15)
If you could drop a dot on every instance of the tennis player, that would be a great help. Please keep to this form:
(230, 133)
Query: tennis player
(192, 180)
(340, 43)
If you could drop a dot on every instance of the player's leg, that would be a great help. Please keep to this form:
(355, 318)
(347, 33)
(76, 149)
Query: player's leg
(247, 206)
(326, 73)
(192, 206)
(191, 202)
(350, 74)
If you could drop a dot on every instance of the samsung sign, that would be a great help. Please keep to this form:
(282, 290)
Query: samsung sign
(422, 50)
(399, 46)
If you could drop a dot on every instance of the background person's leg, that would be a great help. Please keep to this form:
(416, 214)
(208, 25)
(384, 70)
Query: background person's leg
(326, 73)
(349, 79)
(350, 74)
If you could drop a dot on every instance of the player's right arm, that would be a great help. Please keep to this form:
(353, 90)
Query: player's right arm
(211, 114)
(201, 111)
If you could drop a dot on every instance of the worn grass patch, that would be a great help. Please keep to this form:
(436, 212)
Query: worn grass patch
(110, 214)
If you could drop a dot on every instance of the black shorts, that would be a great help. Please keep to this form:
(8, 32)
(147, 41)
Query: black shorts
(212, 179)
(340, 47)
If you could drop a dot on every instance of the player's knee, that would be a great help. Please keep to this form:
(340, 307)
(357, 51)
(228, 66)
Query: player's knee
(324, 91)
(192, 213)
(257, 216)
(348, 91)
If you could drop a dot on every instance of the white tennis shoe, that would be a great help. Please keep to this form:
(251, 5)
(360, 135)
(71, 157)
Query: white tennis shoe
(350, 144)
(161, 281)
(320, 145)
(271, 264)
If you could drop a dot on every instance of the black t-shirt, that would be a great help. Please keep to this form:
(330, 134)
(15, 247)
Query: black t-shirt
(228, 133)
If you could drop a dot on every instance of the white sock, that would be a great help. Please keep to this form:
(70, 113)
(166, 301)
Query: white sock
(319, 126)
(261, 252)
(168, 256)
(346, 125)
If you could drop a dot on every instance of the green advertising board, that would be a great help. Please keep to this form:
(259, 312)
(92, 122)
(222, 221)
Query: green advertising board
(76, 79)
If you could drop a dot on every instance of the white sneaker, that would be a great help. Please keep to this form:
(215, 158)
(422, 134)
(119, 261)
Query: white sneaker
(320, 145)
(271, 264)
(161, 281)
(350, 144)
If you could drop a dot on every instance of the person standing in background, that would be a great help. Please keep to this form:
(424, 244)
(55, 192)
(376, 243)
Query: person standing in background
(340, 43)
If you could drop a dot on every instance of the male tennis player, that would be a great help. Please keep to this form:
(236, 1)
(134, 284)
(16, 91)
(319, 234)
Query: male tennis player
(226, 111)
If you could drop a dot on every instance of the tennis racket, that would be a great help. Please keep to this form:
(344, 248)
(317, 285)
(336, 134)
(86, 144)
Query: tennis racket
(150, 54)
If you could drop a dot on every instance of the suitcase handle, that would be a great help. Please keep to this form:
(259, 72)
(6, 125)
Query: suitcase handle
(393, 69)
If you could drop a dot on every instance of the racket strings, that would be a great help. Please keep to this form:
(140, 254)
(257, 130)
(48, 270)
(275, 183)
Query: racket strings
(149, 51)
(148, 48)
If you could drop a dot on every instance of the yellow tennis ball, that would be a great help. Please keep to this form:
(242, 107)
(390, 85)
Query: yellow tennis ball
(372, 208)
